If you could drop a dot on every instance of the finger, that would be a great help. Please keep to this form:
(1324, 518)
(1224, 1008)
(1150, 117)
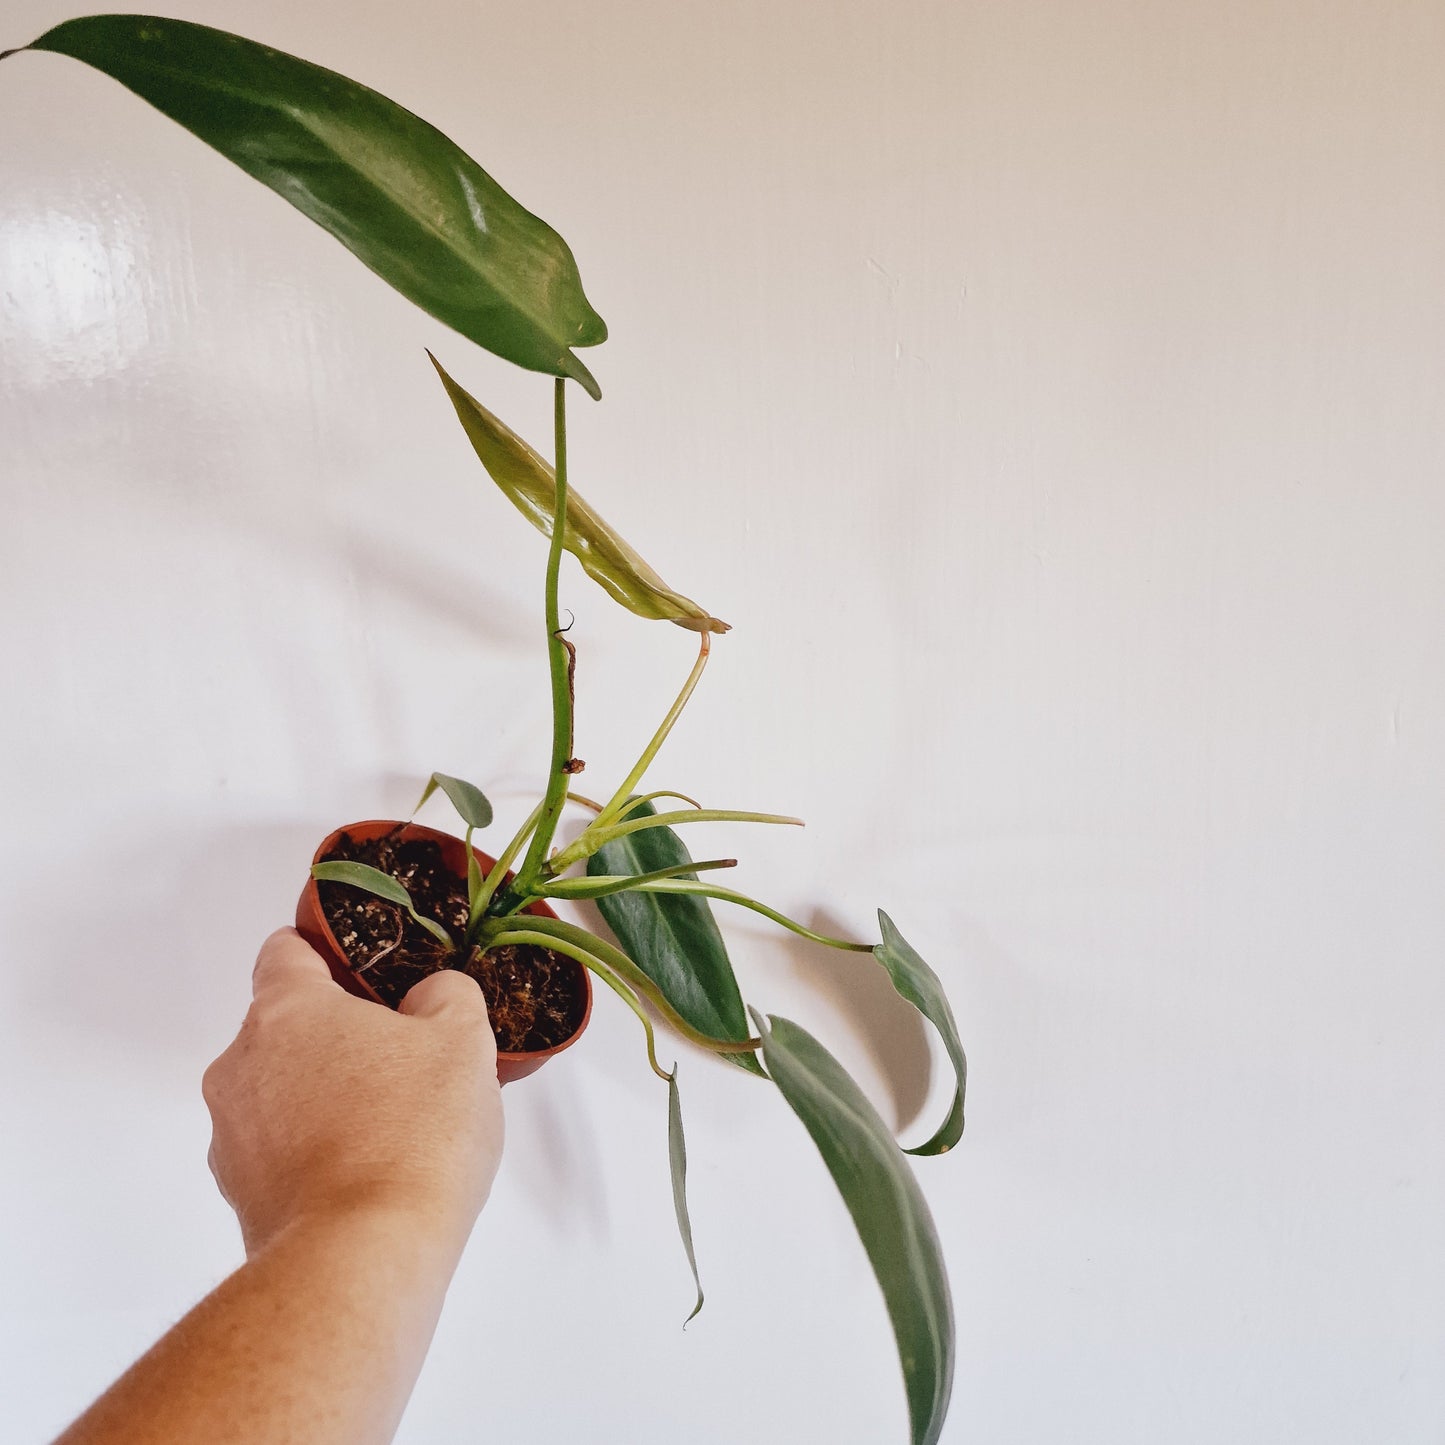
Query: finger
(287, 961)
(442, 992)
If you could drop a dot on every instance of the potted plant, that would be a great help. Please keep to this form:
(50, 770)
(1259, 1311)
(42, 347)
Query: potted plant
(387, 901)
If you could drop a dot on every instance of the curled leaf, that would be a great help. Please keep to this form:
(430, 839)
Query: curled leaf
(529, 482)
(468, 799)
(677, 1160)
(918, 983)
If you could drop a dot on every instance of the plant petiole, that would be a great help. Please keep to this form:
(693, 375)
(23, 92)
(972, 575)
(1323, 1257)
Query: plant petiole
(633, 804)
(498, 871)
(612, 957)
(620, 798)
(611, 979)
(559, 662)
(730, 895)
(593, 838)
(599, 886)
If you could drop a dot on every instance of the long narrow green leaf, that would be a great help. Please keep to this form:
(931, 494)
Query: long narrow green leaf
(918, 983)
(677, 1160)
(593, 837)
(383, 885)
(675, 940)
(529, 483)
(468, 799)
(391, 188)
(888, 1209)
(603, 884)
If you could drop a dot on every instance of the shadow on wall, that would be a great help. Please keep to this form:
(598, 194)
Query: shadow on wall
(858, 991)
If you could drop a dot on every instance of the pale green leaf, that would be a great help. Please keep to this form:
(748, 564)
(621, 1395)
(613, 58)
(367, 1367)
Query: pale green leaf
(530, 484)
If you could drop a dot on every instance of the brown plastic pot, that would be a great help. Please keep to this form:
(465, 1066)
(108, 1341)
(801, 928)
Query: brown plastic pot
(311, 924)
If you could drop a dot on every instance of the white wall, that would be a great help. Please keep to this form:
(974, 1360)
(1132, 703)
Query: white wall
(1050, 394)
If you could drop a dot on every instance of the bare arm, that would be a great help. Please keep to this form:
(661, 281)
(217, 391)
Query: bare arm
(356, 1146)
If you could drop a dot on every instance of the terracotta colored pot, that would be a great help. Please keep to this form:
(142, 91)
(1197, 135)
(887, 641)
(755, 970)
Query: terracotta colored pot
(311, 924)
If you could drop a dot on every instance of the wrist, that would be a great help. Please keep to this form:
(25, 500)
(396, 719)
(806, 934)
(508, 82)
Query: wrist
(426, 1230)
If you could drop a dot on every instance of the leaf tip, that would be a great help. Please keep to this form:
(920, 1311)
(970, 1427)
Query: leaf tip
(579, 373)
(702, 623)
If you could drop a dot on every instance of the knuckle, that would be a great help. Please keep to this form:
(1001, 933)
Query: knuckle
(212, 1081)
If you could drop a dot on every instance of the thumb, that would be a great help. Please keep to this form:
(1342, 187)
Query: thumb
(441, 992)
(287, 961)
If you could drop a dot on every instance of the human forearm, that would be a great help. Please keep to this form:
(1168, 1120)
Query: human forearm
(357, 1146)
(318, 1338)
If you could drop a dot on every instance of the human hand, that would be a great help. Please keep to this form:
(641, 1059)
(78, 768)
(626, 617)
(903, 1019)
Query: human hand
(327, 1103)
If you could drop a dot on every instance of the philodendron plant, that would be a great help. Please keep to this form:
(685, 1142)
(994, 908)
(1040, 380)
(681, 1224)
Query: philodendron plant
(431, 223)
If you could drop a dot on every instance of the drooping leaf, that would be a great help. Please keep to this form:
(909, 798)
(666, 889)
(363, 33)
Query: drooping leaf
(469, 801)
(529, 482)
(383, 885)
(918, 983)
(888, 1209)
(677, 1160)
(675, 940)
(391, 188)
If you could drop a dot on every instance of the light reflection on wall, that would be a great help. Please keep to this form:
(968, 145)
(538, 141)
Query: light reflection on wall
(73, 291)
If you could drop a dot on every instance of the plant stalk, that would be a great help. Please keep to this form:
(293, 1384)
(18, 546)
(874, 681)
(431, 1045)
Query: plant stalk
(613, 958)
(483, 901)
(619, 799)
(592, 838)
(558, 659)
(731, 895)
(611, 979)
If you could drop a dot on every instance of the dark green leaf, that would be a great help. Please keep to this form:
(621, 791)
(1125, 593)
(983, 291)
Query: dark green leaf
(674, 939)
(918, 983)
(677, 1159)
(888, 1208)
(529, 483)
(391, 188)
(466, 798)
(383, 885)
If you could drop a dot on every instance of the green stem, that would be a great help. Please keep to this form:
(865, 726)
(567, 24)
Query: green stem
(558, 659)
(493, 880)
(634, 804)
(619, 799)
(600, 886)
(730, 895)
(614, 958)
(588, 842)
(590, 960)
